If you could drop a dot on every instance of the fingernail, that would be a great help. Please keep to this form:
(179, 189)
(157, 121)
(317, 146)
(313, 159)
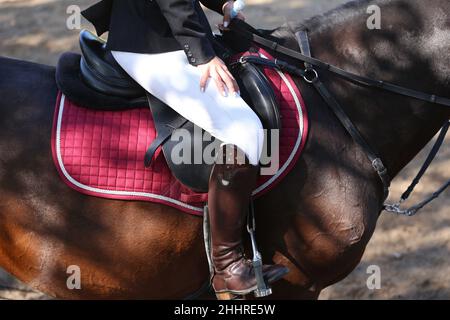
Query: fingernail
(202, 89)
(237, 94)
(225, 24)
(224, 93)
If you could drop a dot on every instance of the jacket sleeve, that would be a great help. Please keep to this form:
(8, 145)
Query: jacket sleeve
(99, 15)
(188, 30)
(215, 5)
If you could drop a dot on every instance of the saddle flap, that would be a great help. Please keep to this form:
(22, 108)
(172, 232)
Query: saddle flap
(179, 138)
(259, 94)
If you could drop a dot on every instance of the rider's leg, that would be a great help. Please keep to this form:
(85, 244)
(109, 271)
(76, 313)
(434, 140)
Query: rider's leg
(170, 78)
(230, 188)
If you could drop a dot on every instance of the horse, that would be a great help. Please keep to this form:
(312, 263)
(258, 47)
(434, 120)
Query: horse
(317, 222)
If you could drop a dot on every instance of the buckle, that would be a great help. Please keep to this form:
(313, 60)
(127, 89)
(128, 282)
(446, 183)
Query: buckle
(378, 165)
(310, 75)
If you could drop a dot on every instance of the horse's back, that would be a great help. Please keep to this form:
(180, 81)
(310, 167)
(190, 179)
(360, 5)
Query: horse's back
(13, 66)
(27, 98)
(23, 80)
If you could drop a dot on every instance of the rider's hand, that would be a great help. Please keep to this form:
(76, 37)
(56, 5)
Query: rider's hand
(226, 9)
(218, 71)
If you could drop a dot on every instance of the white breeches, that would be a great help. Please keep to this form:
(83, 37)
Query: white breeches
(170, 78)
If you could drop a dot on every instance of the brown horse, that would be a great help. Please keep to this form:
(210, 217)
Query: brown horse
(317, 222)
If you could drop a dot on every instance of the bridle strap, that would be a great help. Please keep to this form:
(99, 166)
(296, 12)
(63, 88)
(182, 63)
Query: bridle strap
(431, 156)
(375, 160)
(243, 29)
(302, 38)
(395, 208)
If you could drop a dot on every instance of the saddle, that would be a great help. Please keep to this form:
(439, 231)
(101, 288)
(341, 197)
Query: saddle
(101, 83)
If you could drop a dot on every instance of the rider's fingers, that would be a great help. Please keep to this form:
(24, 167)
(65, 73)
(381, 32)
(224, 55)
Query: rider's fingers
(204, 80)
(229, 81)
(219, 83)
(226, 20)
(236, 85)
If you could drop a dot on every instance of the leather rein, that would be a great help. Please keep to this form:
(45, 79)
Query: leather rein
(311, 76)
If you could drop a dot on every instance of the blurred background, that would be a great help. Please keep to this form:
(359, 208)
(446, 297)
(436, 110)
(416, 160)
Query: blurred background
(412, 253)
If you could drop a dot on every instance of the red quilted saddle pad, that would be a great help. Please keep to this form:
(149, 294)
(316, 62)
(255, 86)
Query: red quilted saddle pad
(100, 153)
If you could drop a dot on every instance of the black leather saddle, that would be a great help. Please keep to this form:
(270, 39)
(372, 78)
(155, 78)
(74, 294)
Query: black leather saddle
(100, 72)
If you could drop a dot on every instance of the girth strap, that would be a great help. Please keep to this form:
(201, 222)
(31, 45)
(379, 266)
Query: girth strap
(303, 42)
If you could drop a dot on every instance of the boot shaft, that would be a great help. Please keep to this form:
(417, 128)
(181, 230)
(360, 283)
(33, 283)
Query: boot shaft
(230, 188)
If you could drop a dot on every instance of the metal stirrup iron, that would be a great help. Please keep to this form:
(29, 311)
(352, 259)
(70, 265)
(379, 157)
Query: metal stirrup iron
(207, 240)
(262, 290)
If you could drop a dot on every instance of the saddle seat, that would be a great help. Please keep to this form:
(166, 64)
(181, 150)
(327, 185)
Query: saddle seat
(100, 72)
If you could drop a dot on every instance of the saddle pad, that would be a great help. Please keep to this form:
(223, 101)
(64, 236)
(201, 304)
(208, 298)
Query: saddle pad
(100, 153)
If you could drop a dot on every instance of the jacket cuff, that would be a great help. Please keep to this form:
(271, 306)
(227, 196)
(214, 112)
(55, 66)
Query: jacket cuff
(99, 15)
(198, 50)
(215, 5)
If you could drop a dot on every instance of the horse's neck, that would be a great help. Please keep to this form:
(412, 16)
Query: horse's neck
(411, 50)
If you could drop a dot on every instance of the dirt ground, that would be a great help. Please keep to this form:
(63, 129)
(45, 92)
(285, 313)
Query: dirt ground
(412, 253)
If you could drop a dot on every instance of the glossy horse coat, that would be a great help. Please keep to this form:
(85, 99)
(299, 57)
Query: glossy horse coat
(317, 222)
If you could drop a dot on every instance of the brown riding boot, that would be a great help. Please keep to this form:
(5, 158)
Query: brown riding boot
(229, 195)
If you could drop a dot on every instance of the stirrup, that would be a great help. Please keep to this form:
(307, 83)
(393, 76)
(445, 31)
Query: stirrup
(263, 289)
(207, 241)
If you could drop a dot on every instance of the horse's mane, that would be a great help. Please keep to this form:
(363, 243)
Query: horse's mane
(341, 14)
(433, 44)
(318, 23)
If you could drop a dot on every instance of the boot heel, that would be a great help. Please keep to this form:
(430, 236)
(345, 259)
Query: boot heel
(228, 296)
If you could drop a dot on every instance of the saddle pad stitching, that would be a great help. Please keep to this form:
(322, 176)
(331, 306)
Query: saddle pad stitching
(93, 189)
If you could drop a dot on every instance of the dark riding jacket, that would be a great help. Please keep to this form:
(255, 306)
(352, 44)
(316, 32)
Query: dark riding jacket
(156, 26)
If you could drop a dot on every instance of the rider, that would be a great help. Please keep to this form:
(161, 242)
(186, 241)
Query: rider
(166, 46)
